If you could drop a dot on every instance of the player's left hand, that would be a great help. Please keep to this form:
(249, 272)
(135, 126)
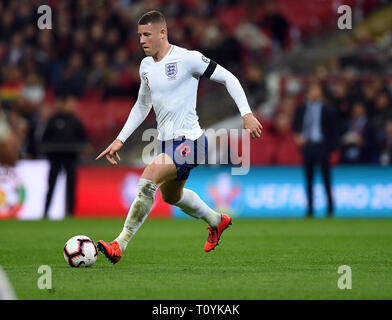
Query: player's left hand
(253, 125)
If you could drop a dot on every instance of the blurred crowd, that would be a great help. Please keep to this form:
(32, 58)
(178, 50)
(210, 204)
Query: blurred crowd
(363, 106)
(93, 50)
(93, 45)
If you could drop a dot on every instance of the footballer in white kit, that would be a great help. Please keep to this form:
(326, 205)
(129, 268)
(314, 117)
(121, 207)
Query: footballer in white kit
(169, 78)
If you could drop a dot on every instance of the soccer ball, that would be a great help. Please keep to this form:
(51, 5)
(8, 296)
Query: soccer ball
(80, 251)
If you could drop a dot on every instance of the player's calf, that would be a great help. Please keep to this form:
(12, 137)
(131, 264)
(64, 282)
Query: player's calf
(191, 204)
(137, 214)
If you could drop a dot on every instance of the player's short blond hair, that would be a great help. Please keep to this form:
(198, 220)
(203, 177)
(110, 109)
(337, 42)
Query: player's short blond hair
(153, 16)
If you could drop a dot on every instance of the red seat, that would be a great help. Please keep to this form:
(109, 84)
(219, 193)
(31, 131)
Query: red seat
(117, 110)
(231, 16)
(93, 116)
(287, 151)
(261, 149)
(306, 14)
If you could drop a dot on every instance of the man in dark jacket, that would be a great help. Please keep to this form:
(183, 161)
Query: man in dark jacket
(315, 127)
(63, 140)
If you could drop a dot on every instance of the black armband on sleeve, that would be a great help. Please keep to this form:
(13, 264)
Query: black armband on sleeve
(210, 69)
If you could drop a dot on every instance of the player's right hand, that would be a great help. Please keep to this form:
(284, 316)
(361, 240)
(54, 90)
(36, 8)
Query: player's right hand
(111, 151)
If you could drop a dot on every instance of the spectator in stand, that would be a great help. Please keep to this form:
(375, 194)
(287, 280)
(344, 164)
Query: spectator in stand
(386, 144)
(354, 142)
(174, 8)
(381, 111)
(369, 94)
(31, 103)
(124, 78)
(91, 46)
(11, 86)
(15, 51)
(45, 56)
(80, 44)
(288, 105)
(98, 78)
(276, 24)
(256, 88)
(350, 79)
(72, 78)
(254, 42)
(112, 42)
(63, 37)
(211, 39)
(342, 104)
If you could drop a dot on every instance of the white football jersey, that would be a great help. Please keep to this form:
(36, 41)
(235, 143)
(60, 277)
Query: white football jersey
(172, 84)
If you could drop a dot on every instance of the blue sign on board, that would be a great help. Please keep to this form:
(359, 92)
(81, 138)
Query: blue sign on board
(278, 192)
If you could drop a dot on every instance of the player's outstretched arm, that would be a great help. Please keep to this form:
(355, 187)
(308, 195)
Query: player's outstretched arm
(202, 66)
(111, 152)
(137, 115)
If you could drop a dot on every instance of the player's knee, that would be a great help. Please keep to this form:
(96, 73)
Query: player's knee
(149, 174)
(147, 188)
(158, 174)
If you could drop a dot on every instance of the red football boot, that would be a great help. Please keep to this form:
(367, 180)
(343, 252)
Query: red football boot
(111, 250)
(215, 233)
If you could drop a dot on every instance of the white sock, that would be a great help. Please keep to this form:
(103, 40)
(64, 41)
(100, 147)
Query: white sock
(191, 204)
(138, 212)
(123, 239)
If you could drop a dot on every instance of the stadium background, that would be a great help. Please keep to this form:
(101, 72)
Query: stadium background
(274, 47)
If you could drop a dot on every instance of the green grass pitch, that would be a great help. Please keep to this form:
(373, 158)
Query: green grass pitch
(257, 259)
